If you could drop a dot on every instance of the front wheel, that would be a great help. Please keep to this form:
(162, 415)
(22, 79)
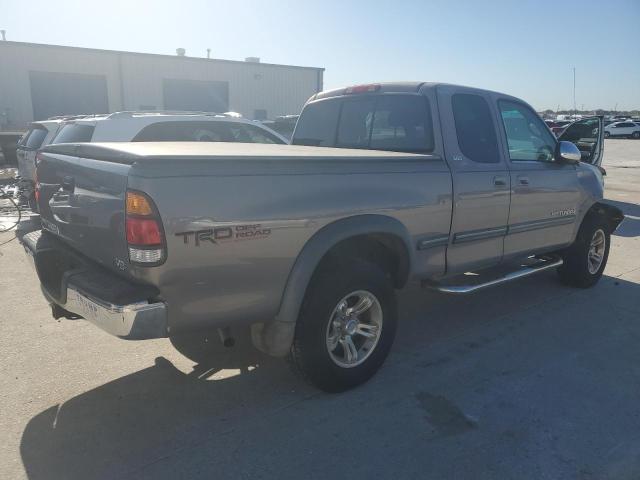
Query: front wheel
(346, 325)
(607, 134)
(585, 260)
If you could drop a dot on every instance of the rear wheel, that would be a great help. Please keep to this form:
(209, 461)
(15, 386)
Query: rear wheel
(346, 325)
(585, 260)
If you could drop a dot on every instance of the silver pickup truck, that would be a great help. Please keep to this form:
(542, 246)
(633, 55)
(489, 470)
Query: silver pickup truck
(305, 243)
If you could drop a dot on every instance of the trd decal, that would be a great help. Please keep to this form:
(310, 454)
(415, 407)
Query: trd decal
(225, 234)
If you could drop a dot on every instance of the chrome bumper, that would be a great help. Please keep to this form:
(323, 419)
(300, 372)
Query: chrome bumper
(135, 321)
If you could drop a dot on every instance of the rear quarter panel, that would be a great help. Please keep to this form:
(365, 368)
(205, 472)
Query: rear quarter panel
(263, 212)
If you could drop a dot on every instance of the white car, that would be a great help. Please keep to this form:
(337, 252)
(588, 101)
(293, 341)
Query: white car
(166, 127)
(622, 129)
(157, 126)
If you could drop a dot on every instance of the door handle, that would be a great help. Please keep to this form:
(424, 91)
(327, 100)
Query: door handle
(500, 181)
(523, 180)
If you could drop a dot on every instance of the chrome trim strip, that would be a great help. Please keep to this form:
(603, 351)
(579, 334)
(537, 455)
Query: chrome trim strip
(511, 229)
(537, 224)
(433, 242)
(479, 234)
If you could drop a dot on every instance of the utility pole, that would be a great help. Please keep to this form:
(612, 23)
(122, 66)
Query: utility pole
(574, 92)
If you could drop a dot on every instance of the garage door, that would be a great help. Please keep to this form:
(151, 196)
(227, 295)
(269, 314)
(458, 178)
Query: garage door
(196, 95)
(54, 93)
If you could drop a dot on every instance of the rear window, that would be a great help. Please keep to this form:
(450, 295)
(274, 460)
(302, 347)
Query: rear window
(212, 131)
(317, 124)
(400, 123)
(74, 133)
(35, 137)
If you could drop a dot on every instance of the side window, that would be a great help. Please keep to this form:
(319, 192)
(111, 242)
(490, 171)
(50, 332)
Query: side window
(184, 131)
(527, 137)
(244, 133)
(475, 128)
(317, 124)
(35, 138)
(74, 133)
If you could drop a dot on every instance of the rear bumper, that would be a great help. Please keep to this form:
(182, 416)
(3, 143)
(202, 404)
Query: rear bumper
(77, 286)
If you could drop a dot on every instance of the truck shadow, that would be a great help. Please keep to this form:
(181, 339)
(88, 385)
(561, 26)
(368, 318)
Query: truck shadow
(106, 432)
(219, 428)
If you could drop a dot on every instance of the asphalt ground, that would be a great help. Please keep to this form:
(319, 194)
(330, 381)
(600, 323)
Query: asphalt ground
(530, 380)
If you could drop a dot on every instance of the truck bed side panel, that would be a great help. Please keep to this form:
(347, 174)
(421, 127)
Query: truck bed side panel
(233, 233)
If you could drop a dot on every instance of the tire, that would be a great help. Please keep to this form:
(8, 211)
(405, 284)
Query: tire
(579, 268)
(636, 135)
(327, 318)
(607, 134)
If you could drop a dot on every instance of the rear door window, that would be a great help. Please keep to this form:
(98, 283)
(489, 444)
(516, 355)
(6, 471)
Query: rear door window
(35, 138)
(74, 133)
(475, 128)
(400, 123)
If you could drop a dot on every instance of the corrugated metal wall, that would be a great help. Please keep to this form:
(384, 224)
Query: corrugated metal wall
(136, 81)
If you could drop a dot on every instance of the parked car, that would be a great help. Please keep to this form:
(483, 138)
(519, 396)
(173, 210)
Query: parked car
(166, 127)
(559, 125)
(622, 129)
(308, 244)
(137, 127)
(39, 135)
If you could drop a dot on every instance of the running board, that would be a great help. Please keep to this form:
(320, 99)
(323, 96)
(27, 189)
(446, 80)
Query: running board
(524, 271)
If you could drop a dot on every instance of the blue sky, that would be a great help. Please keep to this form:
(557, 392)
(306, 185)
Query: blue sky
(525, 48)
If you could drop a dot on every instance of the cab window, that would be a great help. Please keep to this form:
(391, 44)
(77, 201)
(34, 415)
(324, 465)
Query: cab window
(527, 136)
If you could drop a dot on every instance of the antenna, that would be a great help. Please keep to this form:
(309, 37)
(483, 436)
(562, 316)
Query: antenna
(574, 91)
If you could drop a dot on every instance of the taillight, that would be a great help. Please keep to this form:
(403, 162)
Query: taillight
(145, 236)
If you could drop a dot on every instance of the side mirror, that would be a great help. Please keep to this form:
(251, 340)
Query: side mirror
(568, 153)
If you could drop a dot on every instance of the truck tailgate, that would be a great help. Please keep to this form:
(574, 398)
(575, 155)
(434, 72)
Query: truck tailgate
(82, 201)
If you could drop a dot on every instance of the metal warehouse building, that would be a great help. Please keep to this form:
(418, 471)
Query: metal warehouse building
(39, 81)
